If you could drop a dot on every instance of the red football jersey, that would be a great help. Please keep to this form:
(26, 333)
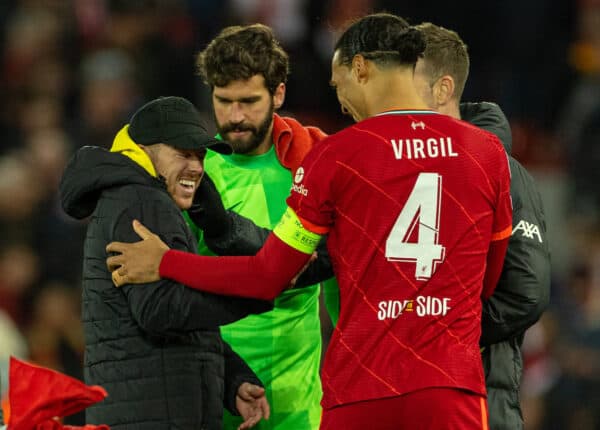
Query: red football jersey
(411, 201)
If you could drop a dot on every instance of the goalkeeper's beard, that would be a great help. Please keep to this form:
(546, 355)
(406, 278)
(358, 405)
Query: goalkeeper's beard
(257, 134)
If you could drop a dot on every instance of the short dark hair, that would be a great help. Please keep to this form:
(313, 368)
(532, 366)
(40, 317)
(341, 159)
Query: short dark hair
(445, 54)
(383, 38)
(240, 52)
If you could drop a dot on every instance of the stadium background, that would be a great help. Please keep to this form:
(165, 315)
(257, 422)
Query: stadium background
(73, 71)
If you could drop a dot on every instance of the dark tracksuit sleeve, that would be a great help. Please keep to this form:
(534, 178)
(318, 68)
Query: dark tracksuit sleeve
(166, 306)
(522, 294)
(236, 373)
(246, 238)
(243, 237)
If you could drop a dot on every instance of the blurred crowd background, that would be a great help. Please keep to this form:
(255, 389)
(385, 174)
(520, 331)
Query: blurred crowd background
(73, 71)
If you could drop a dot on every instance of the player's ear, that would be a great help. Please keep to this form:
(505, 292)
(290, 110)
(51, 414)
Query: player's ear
(443, 90)
(279, 96)
(360, 67)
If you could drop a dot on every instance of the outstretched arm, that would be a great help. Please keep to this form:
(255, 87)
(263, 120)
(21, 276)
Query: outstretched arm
(264, 275)
(166, 307)
(228, 233)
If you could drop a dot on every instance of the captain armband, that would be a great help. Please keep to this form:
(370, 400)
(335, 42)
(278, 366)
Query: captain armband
(291, 231)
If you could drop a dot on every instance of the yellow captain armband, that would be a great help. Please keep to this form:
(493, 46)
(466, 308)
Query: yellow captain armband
(291, 231)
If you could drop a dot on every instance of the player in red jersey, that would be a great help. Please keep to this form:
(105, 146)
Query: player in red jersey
(417, 208)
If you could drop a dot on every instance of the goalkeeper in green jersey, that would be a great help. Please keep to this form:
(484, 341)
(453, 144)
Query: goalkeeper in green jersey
(246, 70)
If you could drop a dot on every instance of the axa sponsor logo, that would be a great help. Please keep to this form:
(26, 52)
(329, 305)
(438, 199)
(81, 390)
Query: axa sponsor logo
(423, 306)
(297, 186)
(528, 230)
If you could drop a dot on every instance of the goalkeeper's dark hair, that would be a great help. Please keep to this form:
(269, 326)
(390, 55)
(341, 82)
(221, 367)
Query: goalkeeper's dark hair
(385, 39)
(240, 52)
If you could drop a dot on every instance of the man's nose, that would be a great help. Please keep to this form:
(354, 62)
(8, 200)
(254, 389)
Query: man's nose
(196, 165)
(236, 114)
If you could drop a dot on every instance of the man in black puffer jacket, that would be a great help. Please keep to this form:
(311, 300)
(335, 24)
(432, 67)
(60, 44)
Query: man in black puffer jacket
(523, 291)
(156, 349)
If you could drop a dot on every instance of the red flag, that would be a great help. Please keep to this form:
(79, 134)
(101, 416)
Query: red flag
(36, 395)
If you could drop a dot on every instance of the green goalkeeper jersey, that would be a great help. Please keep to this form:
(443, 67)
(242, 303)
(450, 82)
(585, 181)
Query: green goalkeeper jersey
(283, 346)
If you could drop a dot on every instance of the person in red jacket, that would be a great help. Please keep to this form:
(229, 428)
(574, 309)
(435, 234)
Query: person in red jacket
(417, 210)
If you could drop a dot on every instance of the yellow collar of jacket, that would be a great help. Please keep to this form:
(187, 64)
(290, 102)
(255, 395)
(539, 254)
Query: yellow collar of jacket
(123, 144)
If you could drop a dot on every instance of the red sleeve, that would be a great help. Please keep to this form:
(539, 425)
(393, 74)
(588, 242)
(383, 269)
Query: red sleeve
(502, 226)
(502, 229)
(262, 276)
(495, 262)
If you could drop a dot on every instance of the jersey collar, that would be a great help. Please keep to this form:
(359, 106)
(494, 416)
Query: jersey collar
(408, 111)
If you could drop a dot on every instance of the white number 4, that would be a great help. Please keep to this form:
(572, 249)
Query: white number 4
(422, 210)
